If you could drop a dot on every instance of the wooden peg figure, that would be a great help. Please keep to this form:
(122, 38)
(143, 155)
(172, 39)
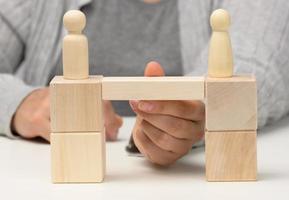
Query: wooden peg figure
(220, 51)
(75, 46)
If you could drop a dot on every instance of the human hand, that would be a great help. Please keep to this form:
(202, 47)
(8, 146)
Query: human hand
(112, 121)
(32, 117)
(166, 130)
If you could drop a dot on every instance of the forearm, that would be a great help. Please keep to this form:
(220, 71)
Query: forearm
(13, 91)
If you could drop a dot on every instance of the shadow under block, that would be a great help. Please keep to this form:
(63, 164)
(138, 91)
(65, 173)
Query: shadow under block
(76, 105)
(231, 156)
(231, 103)
(153, 88)
(77, 157)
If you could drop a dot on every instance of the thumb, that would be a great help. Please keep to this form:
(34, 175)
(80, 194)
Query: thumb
(154, 69)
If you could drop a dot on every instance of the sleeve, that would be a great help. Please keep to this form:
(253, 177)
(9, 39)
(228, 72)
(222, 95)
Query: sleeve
(260, 37)
(12, 89)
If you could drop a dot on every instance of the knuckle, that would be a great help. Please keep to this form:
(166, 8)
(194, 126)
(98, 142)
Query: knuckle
(200, 110)
(175, 125)
(160, 106)
(198, 129)
(139, 142)
(136, 135)
(155, 159)
(159, 137)
(186, 148)
(143, 124)
(183, 107)
(146, 127)
(164, 141)
(199, 135)
(202, 126)
(202, 114)
(151, 158)
(140, 139)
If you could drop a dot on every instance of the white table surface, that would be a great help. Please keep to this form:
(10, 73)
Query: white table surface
(25, 173)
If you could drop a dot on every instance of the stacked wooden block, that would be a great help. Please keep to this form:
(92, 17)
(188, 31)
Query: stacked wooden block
(77, 138)
(231, 123)
(231, 111)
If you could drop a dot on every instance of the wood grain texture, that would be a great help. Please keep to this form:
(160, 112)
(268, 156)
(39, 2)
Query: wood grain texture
(231, 156)
(77, 157)
(76, 105)
(231, 103)
(153, 88)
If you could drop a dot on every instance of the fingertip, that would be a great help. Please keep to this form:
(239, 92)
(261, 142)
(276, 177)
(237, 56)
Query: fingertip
(154, 69)
(111, 135)
(146, 106)
(133, 104)
(120, 120)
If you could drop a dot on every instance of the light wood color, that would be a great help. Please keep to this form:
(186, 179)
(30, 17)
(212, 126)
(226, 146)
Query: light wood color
(220, 51)
(231, 156)
(153, 88)
(76, 105)
(231, 103)
(77, 157)
(75, 46)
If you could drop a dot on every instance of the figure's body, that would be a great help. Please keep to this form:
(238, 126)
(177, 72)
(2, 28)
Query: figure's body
(75, 47)
(220, 59)
(124, 36)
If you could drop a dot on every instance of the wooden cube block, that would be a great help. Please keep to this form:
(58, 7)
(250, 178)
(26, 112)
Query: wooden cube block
(153, 88)
(231, 156)
(76, 105)
(77, 157)
(231, 103)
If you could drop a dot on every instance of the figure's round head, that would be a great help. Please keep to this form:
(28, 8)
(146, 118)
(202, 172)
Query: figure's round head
(74, 21)
(220, 20)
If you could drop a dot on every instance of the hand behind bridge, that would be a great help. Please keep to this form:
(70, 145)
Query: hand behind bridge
(166, 130)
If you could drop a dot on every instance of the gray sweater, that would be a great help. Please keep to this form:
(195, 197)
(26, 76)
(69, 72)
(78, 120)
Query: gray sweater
(125, 35)
(31, 33)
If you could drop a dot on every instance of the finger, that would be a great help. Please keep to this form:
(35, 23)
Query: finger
(190, 110)
(172, 125)
(112, 126)
(108, 108)
(154, 69)
(111, 118)
(166, 141)
(177, 127)
(134, 105)
(112, 121)
(151, 151)
(111, 135)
